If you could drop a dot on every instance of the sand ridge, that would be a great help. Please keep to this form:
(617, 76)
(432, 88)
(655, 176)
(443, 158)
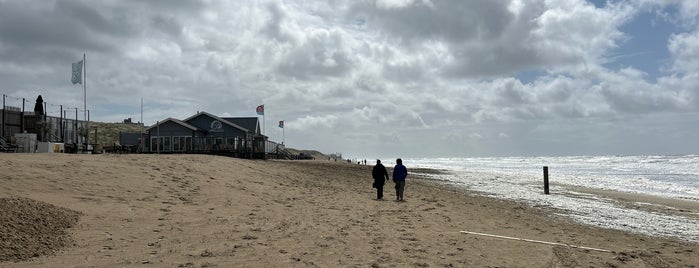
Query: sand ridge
(205, 211)
(31, 228)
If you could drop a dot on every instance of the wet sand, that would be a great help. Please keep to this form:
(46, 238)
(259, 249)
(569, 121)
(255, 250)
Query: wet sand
(206, 211)
(684, 208)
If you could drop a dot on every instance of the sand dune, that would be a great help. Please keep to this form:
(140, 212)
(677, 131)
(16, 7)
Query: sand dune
(206, 211)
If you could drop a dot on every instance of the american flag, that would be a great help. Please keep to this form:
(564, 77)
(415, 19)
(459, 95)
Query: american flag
(260, 109)
(281, 124)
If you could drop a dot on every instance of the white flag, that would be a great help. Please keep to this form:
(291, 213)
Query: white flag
(77, 73)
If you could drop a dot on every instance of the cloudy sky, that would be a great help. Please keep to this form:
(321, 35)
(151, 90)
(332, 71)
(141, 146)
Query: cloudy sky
(382, 78)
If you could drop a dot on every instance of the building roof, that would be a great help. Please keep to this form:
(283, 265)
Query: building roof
(245, 124)
(250, 123)
(219, 119)
(176, 121)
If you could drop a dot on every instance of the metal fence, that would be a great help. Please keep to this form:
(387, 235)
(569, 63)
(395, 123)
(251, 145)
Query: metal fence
(47, 128)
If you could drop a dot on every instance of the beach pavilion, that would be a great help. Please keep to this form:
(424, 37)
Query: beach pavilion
(208, 133)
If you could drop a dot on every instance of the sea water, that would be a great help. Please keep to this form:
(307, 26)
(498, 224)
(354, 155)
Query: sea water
(521, 179)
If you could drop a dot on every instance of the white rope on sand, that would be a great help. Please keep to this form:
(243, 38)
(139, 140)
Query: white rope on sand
(537, 241)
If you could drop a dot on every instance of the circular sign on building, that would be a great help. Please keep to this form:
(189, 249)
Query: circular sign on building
(216, 125)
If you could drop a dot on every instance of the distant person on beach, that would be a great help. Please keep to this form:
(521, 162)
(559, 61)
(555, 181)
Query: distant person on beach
(380, 176)
(399, 174)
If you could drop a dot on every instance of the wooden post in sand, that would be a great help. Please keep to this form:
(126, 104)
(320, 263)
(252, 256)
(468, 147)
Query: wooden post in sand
(546, 180)
(157, 140)
(75, 130)
(2, 132)
(21, 118)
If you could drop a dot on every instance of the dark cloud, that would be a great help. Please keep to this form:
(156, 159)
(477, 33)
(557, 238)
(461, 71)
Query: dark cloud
(48, 27)
(484, 37)
(450, 21)
(323, 54)
(167, 24)
(490, 60)
(273, 26)
(89, 17)
(190, 8)
(401, 72)
(635, 101)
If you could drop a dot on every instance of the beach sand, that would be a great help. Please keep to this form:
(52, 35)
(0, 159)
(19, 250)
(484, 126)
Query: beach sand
(208, 211)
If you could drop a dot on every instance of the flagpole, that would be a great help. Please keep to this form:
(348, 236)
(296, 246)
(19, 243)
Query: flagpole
(87, 135)
(142, 143)
(84, 87)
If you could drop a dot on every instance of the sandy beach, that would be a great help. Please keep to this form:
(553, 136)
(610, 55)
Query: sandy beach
(212, 211)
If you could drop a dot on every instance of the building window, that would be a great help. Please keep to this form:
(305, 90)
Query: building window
(153, 144)
(232, 143)
(181, 143)
(165, 144)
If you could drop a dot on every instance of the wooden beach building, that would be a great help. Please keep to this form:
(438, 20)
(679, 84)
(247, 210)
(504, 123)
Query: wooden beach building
(208, 133)
(200, 133)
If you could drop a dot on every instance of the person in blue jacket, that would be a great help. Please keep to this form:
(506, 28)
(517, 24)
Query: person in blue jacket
(399, 174)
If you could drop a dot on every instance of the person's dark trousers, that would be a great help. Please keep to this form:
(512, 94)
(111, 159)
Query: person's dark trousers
(379, 190)
(400, 188)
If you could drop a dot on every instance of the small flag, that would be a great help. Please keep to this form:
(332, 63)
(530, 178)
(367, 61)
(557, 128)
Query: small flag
(77, 77)
(281, 124)
(260, 109)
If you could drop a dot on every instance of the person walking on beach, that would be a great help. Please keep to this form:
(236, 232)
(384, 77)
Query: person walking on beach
(380, 176)
(399, 174)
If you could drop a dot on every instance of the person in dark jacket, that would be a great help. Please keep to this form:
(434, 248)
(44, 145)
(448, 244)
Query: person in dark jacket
(380, 176)
(399, 175)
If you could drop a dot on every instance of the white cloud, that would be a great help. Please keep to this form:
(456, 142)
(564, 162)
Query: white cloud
(372, 77)
(394, 4)
(475, 136)
(684, 48)
(323, 53)
(315, 122)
